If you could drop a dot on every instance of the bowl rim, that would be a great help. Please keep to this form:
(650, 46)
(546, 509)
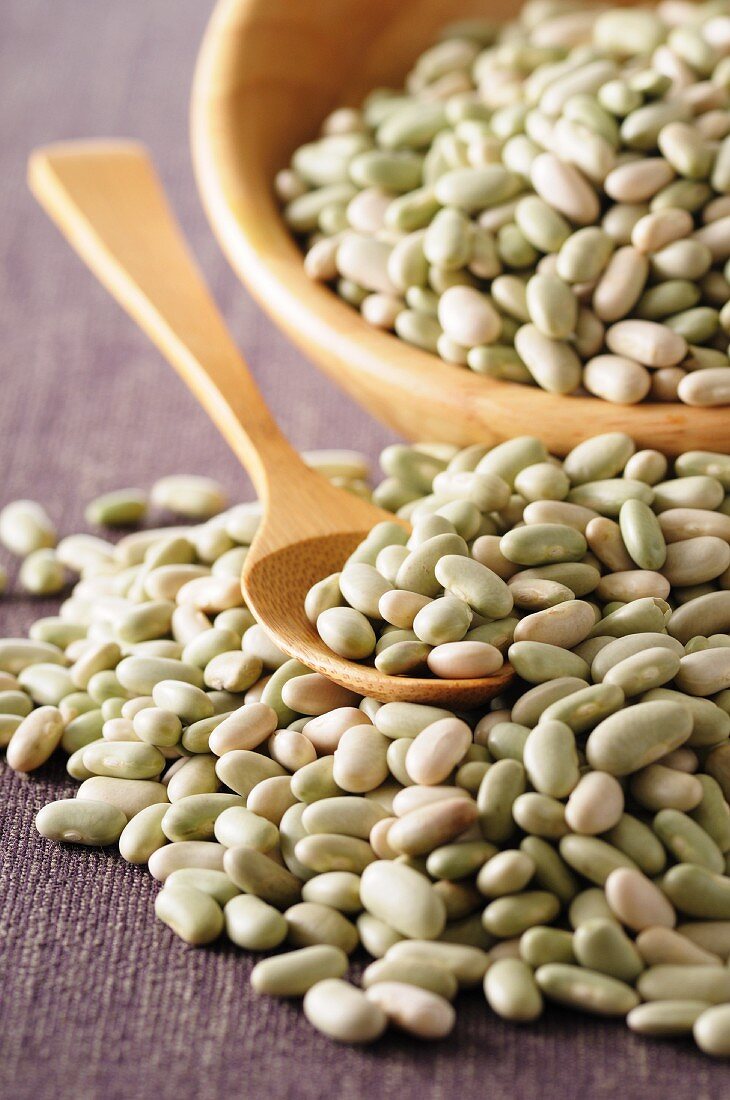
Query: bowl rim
(248, 225)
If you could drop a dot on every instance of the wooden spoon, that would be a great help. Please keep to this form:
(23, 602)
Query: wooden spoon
(108, 202)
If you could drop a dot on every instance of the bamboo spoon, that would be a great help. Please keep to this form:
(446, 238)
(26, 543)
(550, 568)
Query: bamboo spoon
(109, 204)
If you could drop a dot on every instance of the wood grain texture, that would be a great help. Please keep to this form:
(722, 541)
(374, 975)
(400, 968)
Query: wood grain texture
(268, 73)
(107, 200)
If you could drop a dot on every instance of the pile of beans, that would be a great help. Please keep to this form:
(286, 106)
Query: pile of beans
(545, 201)
(567, 845)
(513, 551)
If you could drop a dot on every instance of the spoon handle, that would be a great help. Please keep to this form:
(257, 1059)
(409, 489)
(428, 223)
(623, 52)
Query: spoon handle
(106, 199)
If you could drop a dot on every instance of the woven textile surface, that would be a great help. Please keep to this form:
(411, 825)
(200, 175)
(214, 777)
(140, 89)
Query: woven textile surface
(97, 999)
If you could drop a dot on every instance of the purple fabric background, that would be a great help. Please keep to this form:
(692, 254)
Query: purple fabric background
(97, 1000)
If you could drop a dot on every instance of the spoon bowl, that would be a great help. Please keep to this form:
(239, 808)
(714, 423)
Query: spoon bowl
(276, 585)
(108, 202)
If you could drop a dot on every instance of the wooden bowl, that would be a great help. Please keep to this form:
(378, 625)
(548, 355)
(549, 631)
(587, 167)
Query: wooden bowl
(269, 71)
